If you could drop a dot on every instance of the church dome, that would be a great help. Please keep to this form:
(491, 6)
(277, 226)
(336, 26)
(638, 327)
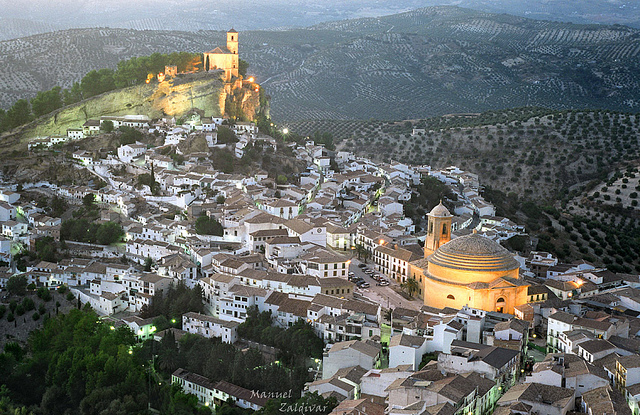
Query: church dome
(473, 253)
(440, 211)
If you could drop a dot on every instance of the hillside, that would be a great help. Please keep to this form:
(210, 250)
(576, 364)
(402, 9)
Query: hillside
(570, 176)
(530, 151)
(174, 97)
(25, 20)
(427, 62)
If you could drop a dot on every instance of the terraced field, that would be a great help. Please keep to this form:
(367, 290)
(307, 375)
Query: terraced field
(427, 62)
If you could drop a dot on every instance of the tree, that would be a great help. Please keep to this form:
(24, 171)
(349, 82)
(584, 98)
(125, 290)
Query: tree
(46, 102)
(109, 233)
(226, 135)
(73, 95)
(88, 200)
(18, 114)
(58, 206)
(362, 252)
(147, 264)
(146, 179)
(107, 126)
(17, 285)
(129, 135)
(325, 138)
(388, 313)
(46, 249)
(410, 286)
(242, 67)
(208, 226)
(81, 230)
(97, 82)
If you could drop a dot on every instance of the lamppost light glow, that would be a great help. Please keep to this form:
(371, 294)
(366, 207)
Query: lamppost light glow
(285, 131)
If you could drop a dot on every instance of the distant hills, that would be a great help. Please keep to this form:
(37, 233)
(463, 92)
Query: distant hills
(34, 17)
(430, 61)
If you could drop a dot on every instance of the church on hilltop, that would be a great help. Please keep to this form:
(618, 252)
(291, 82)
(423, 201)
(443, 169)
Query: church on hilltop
(224, 58)
(470, 270)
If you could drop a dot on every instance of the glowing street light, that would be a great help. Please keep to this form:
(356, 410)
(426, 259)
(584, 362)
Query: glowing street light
(251, 79)
(285, 131)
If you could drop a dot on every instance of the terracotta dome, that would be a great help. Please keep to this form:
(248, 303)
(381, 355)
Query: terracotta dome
(473, 253)
(440, 211)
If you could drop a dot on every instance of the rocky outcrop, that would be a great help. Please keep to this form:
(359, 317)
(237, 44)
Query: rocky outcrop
(173, 97)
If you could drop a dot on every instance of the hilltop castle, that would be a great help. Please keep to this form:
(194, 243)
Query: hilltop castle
(225, 58)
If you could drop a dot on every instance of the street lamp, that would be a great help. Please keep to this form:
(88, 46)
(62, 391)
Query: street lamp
(285, 131)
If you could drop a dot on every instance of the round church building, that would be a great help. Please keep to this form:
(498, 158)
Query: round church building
(470, 270)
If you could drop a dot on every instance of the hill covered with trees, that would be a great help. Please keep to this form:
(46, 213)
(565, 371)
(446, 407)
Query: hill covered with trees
(570, 176)
(431, 61)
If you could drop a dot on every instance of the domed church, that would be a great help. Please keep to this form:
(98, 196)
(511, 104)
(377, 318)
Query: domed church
(470, 270)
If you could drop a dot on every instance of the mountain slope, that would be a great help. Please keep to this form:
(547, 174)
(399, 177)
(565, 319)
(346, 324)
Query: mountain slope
(174, 98)
(426, 62)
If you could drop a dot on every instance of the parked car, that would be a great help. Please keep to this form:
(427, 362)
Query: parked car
(361, 265)
(365, 285)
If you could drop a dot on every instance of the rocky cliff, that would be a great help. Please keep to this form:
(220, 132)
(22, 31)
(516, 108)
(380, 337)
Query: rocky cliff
(173, 97)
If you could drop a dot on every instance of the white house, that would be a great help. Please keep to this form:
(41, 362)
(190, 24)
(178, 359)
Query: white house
(570, 371)
(128, 152)
(208, 326)
(9, 196)
(75, 133)
(493, 362)
(405, 349)
(365, 354)
(7, 212)
(543, 399)
(211, 394)
(13, 229)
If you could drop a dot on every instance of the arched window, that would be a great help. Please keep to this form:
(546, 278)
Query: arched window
(430, 228)
(444, 229)
(451, 297)
(500, 300)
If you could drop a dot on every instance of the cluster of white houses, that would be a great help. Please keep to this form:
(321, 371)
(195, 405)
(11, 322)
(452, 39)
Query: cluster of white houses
(287, 249)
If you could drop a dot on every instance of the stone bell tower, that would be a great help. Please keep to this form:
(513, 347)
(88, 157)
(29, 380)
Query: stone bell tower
(438, 229)
(232, 41)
